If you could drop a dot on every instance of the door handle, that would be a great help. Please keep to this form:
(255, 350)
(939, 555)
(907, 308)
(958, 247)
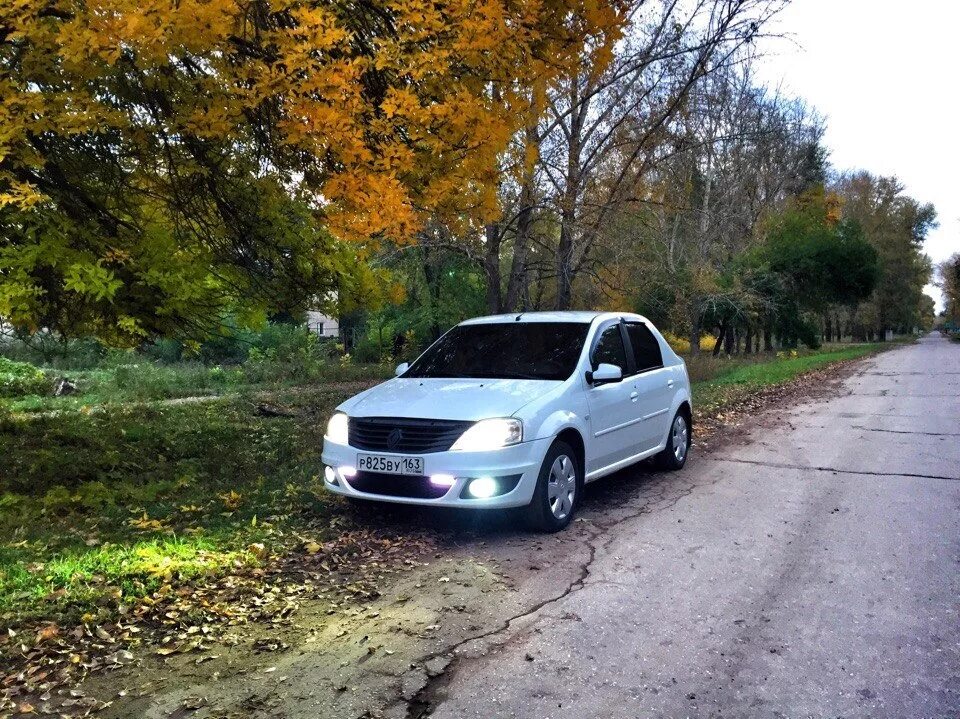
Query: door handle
(669, 383)
(633, 396)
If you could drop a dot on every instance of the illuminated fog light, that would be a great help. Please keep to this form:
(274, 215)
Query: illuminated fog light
(347, 471)
(482, 487)
(330, 475)
(442, 480)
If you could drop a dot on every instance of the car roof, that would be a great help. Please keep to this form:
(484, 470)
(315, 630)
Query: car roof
(558, 316)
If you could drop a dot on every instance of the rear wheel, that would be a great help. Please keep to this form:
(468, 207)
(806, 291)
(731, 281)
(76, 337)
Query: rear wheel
(558, 491)
(674, 455)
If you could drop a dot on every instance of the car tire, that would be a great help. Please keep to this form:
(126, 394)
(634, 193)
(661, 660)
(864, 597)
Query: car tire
(559, 488)
(675, 454)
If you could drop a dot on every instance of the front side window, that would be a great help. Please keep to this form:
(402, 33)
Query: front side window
(504, 350)
(609, 349)
(646, 349)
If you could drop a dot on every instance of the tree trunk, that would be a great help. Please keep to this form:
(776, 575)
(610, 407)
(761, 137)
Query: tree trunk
(517, 281)
(718, 346)
(696, 328)
(748, 341)
(433, 291)
(568, 208)
(728, 340)
(491, 268)
(518, 266)
(767, 339)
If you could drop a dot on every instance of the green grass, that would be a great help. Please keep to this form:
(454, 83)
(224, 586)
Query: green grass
(100, 508)
(132, 495)
(737, 381)
(117, 573)
(150, 382)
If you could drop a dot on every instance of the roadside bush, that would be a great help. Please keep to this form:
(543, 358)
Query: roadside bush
(50, 350)
(21, 378)
(286, 352)
(367, 349)
(681, 345)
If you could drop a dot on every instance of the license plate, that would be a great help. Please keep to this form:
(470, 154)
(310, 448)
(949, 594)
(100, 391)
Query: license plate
(386, 464)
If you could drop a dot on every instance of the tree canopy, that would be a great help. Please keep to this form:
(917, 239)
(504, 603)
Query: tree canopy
(161, 161)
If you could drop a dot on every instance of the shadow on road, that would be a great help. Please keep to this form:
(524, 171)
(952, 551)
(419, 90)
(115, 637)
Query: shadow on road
(464, 525)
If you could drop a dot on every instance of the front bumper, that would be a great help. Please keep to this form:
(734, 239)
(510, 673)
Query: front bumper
(522, 459)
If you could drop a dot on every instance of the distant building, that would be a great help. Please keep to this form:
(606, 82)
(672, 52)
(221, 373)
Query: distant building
(322, 325)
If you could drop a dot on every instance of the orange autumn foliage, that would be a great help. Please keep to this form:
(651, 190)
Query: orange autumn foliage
(385, 111)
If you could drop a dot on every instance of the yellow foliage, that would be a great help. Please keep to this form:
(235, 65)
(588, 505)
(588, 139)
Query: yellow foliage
(426, 140)
(681, 345)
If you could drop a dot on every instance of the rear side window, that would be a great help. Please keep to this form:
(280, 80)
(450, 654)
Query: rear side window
(646, 349)
(610, 349)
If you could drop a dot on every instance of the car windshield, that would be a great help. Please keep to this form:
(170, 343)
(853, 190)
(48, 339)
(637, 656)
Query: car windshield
(514, 350)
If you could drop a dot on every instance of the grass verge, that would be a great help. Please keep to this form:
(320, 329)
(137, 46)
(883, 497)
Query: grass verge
(736, 382)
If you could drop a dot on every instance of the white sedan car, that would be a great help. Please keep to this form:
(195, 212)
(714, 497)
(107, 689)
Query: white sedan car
(515, 411)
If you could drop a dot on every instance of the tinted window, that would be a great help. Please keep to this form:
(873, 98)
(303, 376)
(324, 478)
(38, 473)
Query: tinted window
(609, 349)
(646, 349)
(514, 350)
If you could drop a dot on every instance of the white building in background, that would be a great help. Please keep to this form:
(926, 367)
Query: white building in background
(322, 325)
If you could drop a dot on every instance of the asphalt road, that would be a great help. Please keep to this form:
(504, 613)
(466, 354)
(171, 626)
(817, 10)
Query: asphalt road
(810, 570)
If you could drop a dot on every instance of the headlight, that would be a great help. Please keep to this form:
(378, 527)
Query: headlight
(490, 434)
(337, 428)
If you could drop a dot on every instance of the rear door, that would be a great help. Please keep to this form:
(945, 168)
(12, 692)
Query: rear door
(614, 413)
(653, 384)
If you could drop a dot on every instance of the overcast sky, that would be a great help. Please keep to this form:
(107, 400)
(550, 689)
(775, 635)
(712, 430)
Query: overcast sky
(886, 76)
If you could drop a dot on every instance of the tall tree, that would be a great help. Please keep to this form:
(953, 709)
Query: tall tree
(159, 158)
(896, 225)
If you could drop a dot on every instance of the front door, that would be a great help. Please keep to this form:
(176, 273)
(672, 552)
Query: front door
(614, 407)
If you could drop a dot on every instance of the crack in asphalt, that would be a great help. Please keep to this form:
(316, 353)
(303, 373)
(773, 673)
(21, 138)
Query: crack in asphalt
(834, 470)
(424, 701)
(906, 431)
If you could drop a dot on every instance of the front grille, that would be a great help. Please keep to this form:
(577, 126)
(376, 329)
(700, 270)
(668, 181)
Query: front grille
(391, 434)
(396, 485)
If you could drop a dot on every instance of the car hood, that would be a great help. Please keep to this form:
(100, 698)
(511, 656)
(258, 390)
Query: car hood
(435, 398)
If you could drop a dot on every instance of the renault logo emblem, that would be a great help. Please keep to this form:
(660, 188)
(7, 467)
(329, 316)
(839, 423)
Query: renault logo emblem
(393, 439)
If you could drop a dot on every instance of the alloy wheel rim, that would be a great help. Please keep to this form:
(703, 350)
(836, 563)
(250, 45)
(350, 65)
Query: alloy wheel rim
(681, 438)
(562, 486)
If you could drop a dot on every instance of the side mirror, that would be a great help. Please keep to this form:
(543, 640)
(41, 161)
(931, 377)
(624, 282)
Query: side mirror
(401, 368)
(604, 374)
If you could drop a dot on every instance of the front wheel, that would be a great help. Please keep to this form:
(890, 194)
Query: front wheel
(674, 455)
(558, 491)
